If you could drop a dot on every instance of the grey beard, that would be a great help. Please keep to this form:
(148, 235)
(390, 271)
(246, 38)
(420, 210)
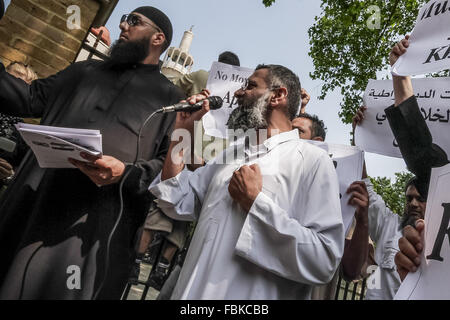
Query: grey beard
(250, 116)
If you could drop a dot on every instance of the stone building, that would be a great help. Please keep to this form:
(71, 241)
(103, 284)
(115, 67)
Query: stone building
(48, 34)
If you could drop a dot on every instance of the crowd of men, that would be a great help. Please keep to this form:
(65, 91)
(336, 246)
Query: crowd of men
(268, 224)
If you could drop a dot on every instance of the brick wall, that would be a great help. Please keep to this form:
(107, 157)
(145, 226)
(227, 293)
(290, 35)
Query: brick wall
(35, 32)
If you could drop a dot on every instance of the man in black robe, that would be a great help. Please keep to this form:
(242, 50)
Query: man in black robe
(68, 233)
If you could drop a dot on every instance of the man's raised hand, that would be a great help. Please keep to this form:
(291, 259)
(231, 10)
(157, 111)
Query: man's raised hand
(185, 120)
(411, 246)
(399, 49)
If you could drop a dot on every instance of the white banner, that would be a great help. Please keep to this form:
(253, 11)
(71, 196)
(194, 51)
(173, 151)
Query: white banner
(432, 279)
(433, 96)
(348, 162)
(223, 81)
(429, 49)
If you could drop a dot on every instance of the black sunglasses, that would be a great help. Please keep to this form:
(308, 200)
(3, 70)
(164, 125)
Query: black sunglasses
(134, 20)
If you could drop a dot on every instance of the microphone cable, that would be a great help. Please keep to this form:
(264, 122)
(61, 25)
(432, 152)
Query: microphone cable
(119, 216)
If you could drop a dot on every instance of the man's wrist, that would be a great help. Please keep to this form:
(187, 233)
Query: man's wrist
(362, 221)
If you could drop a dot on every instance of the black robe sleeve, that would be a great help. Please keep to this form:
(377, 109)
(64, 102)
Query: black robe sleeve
(414, 139)
(19, 99)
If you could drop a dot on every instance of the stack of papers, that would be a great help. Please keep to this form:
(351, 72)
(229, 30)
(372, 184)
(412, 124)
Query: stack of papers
(52, 146)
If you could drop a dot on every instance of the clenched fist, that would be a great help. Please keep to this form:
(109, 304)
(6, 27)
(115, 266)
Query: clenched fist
(245, 185)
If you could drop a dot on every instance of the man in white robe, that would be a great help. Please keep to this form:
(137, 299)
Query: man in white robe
(269, 219)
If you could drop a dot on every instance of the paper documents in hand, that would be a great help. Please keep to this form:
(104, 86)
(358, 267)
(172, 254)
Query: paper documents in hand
(52, 146)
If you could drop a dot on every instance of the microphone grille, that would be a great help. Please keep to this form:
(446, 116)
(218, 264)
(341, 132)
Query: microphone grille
(215, 102)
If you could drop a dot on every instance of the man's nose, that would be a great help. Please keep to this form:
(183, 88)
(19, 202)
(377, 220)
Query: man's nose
(414, 203)
(239, 92)
(123, 25)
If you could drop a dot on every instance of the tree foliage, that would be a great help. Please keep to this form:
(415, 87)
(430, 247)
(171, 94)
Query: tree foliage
(393, 194)
(268, 3)
(348, 47)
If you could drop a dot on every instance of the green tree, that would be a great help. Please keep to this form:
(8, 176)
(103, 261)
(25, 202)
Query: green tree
(268, 3)
(393, 193)
(350, 42)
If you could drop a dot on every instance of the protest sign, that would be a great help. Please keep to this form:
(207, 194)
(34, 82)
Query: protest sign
(429, 48)
(348, 162)
(223, 81)
(432, 280)
(433, 97)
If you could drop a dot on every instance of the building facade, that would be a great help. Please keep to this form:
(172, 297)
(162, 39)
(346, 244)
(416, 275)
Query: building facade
(47, 34)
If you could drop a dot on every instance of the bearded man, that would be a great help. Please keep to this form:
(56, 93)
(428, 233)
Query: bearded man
(269, 223)
(69, 232)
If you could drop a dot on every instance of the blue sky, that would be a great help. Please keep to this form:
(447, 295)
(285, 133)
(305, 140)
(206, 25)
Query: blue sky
(276, 35)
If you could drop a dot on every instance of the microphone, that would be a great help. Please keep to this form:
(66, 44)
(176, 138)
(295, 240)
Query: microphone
(215, 102)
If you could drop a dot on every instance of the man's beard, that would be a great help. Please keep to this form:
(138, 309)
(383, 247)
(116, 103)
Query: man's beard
(250, 114)
(129, 52)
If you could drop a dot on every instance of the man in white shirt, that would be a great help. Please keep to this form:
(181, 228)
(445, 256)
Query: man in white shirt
(375, 219)
(269, 220)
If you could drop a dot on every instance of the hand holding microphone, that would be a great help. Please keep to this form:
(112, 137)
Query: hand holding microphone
(193, 104)
(193, 110)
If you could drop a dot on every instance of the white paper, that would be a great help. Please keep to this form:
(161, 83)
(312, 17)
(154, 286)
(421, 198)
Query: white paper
(429, 48)
(348, 161)
(432, 279)
(52, 146)
(433, 96)
(223, 81)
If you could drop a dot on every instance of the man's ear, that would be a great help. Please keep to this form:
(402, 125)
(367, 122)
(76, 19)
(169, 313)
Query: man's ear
(158, 39)
(317, 139)
(279, 98)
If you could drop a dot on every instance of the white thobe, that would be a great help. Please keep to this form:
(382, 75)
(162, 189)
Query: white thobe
(291, 239)
(384, 230)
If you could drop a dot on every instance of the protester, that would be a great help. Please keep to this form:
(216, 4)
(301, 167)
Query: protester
(272, 235)
(310, 127)
(10, 160)
(191, 84)
(174, 232)
(373, 218)
(420, 153)
(69, 231)
(156, 221)
(21, 71)
(194, 82)
(409, 128)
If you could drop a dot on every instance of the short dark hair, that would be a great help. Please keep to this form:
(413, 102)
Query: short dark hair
(229, 57)
(420, 184)
(318, 128)
(280, 76)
